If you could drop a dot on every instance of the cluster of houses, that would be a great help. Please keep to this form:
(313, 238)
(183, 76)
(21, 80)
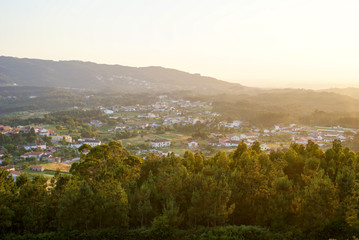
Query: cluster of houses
(323, 136)
(48, 156)
(43, 156)
(26, 129)
(39, 149)
(168, 112)
(232, 140)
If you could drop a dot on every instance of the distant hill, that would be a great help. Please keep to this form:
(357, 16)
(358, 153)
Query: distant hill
(288, 105)
(350, 91)
(88, 75)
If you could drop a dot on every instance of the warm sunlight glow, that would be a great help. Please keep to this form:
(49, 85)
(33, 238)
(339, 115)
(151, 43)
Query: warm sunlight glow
(277, 43)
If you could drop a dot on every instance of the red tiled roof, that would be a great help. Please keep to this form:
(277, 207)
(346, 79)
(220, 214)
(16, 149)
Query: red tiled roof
(16, 172)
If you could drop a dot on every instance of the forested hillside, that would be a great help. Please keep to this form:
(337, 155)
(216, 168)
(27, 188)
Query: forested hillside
(298, 193)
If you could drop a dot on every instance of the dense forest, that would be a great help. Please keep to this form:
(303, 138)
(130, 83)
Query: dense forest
(298, 193)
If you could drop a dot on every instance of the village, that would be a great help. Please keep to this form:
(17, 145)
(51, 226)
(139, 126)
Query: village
(167, 126)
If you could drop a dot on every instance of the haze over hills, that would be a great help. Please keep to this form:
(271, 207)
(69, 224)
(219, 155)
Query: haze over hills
(88, 75)
(350, 91)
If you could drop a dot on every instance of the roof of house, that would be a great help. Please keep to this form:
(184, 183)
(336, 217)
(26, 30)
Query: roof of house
(16, 172)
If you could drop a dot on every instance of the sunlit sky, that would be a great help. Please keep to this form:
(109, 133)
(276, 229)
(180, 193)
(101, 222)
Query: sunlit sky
(261, 43)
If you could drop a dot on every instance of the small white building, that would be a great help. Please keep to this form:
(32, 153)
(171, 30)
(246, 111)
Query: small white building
(233, 137)
(193, 144)
(89, 141)
(108, 111)
(37, 155)
(236, 123)
(35, 146)
(93, 142)
(44, 132)
(152, 115)
(76, 145)
(157, 143)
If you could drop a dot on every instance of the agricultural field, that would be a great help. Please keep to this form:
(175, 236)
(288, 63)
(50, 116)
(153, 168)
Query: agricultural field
(54, 166)
(50, 170)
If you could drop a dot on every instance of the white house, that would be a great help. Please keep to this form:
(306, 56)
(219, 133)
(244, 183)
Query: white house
(108, 111)
(93, 142)
(193, 144)
(231, 143)
(160, 143)
(35, 146)
(121, 127)
(233, 137)
(44, 132)
(37, 155)
(90, 141)
(236, 123)
(76, 145)
(152, 115)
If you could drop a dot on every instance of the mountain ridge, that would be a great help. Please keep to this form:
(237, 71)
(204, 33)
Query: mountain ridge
(90, 75)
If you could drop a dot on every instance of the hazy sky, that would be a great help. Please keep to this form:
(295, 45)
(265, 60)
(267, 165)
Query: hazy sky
(266, 43)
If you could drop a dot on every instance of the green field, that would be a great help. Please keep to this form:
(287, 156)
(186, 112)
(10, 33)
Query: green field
(24, 114)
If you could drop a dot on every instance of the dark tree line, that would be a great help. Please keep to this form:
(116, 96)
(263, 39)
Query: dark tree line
(302, 192)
